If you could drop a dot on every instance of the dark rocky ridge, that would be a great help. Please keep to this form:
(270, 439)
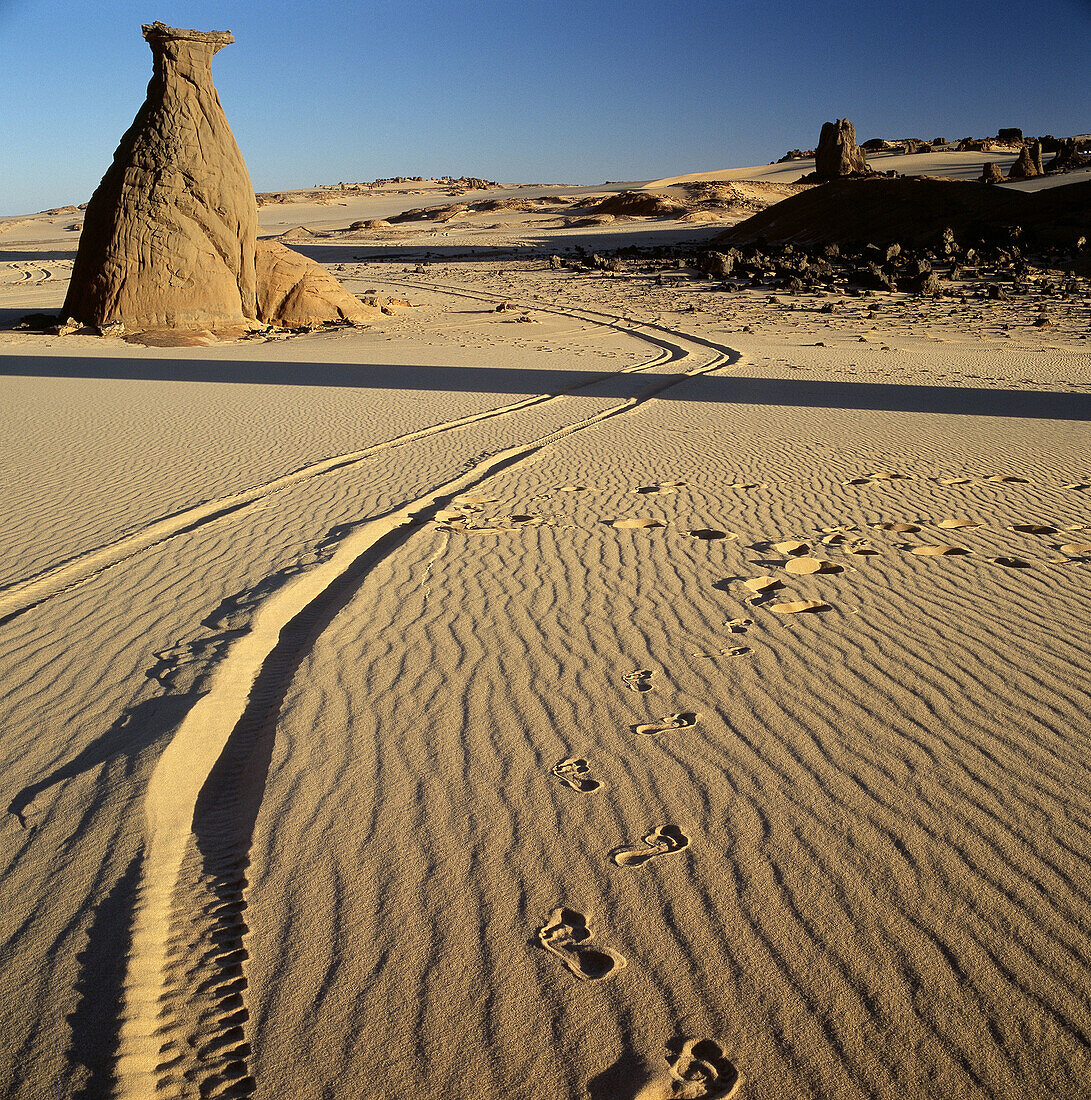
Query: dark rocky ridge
(914, 211)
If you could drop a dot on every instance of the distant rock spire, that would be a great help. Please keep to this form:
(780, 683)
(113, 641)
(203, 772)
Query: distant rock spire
(837, 153)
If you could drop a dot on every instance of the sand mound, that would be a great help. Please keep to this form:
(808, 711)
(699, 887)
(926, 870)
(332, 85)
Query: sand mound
(640, 204)
(914, 212)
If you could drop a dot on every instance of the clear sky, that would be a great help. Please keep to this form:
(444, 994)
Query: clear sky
(560, 91)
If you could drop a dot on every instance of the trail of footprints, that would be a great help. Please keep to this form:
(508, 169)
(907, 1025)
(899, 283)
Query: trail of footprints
(700, 1067)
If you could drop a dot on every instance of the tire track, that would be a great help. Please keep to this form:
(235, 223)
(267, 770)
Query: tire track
(232, 724)
(22, 596)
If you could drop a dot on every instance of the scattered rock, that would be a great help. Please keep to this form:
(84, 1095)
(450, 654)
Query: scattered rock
(718, 264)
(927, 285)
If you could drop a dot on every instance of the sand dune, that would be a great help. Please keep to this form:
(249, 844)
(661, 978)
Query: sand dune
(684, 695)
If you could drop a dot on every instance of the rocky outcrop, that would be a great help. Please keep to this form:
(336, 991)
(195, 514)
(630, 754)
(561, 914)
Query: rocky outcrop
(1028, 164)
(168, 239)
(1067, 158)
(837, 153)
(1009, 134)
(295, 292)
(990, 173)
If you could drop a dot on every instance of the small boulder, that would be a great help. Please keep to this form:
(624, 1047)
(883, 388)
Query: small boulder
(927, 285)
(294, 291)
(718, 264)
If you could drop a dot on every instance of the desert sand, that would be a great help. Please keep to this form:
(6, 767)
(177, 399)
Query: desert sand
(576, 684)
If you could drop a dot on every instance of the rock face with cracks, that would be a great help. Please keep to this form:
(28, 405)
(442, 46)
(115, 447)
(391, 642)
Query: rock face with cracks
(294, 290)
(837, 153)
(169, 244)
(1028, 164)
(168, 240)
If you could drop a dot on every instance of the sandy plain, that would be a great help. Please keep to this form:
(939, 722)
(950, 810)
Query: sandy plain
(644, 691)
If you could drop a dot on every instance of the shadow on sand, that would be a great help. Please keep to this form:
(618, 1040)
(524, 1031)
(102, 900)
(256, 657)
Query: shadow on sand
(722, 389)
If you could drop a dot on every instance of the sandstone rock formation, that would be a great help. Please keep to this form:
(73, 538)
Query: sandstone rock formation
(837, 153)
(169, 243)
(990, 172)
(294, 291)
(168, 240)
(1028, 164)
(1067, 157)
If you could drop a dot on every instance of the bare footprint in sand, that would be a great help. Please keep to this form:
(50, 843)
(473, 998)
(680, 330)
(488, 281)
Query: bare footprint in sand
(639, 680)
(661, 489)
(792, 548)
(1033, 529)
(566, 935)
(637, 523)
(681, 721)
(733, 651)
(941, 551)
(804, 566)
(799, 607)
(1012, 563)
(759, 586)
(574, 773)
(710, 534)
(661, 841)
(738, 626)
(701, 1068)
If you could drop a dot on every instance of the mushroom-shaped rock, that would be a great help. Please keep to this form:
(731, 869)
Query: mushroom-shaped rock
(837, 153)
(168, 239)
(293, 290)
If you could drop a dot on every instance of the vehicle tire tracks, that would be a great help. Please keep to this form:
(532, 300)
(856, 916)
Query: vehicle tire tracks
(184, 1015)
(22, 596)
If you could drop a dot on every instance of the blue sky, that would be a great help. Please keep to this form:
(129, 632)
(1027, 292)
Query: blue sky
(524, 91)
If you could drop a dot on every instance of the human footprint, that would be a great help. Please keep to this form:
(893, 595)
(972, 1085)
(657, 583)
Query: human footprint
(566, 935)
(661, 841)
(639, 680)
(700, 1068)
(573, 773)
(680, 721)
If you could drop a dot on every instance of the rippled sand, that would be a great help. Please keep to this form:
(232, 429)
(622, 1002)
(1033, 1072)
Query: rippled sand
(619, 704)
